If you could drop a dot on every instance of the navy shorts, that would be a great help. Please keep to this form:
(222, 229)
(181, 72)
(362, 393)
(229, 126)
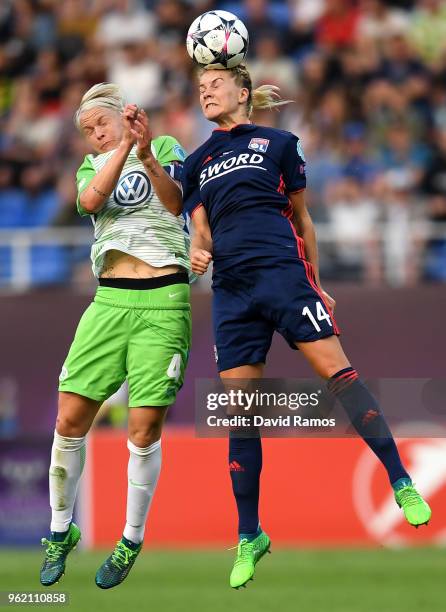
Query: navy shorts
(251, 303)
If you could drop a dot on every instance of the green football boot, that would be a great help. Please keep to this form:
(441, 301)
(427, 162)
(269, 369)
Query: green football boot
(248, 554)
(53, 566)
(116, 568)
(416, 510)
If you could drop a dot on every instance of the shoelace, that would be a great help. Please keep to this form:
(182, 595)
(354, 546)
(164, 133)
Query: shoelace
(54, 550)
(244, 550)
(409, 496)
(121, 555)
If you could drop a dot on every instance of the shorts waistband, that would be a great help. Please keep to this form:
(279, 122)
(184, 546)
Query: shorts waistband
(170, 297)
(146, 283)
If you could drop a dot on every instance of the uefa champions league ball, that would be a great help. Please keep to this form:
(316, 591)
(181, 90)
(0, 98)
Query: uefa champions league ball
(217, 39)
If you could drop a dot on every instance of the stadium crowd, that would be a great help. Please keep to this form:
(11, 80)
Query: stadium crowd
(368, 81)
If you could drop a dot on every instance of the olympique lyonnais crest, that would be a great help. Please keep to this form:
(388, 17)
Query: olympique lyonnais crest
(258, 144)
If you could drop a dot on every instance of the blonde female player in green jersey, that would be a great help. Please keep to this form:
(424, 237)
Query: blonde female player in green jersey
(138, 326)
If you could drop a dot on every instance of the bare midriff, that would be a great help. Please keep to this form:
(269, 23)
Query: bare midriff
(121, 265)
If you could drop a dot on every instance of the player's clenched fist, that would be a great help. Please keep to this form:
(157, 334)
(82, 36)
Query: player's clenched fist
(200, 260)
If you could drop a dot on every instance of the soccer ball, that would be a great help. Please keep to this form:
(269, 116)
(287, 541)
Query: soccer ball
(217, 39)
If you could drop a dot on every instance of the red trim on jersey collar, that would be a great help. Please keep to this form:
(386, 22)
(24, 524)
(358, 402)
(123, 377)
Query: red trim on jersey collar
(233, 127)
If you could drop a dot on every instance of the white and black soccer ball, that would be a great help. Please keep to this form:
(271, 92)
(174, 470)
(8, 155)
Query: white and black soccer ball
(217, 39)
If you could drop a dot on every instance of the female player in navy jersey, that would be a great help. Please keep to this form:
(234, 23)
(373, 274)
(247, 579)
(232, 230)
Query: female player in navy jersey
(244, 190)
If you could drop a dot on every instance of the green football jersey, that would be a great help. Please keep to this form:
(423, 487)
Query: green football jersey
(133, 220)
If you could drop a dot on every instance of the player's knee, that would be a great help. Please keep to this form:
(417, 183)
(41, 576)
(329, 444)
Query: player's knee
(330, 367)
(142, 438)
(69, 427)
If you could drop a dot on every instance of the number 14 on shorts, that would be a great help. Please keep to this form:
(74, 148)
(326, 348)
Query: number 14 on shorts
(321, 314)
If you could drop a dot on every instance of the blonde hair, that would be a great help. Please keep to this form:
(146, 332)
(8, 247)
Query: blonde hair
(263, 97)
(107, 95)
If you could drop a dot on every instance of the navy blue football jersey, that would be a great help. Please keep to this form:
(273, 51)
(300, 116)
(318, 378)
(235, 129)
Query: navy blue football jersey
(243, 177)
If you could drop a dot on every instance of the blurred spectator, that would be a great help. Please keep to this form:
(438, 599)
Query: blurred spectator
(355, 67)
(12, 199)
(6, 19)
(434, 179)
(262, 18)
(270, 66)
(331, 115)
(337, 26)
(313, 81)
(125, 21)
(47, 78)
(134, 68)
(399, 63)
(358, 163)
(401, 155)
(6, 82)
(44, 28)
(352, 217)
(76, 22)
(32, 129)
(323, 168)
(400, 240)
(438, 105)
(428, 29)
(304, 16)
(378, 21)
(173, 21)
(42, 199)
(434, 186)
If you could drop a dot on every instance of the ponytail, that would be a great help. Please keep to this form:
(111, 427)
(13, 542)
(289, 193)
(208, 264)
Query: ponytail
(264, 97)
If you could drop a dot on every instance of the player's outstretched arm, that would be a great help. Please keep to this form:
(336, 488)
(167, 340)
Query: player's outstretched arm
(201, 247)
(166, 188)
(303, 223)
(94, 196)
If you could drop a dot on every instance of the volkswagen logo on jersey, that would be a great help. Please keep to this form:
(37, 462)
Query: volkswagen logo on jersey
(132, 189)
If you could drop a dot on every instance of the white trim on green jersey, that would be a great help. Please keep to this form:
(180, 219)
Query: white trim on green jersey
(133, 220)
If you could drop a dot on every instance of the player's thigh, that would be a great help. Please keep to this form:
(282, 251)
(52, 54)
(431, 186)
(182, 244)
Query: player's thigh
(240, 379)
(245, 372)
(145, 424)
(158, 352)
(326, 356)
(242, 336)
(96, 363)
(75, 414)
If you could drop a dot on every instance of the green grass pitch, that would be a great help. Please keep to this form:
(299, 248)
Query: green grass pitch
(288, 580)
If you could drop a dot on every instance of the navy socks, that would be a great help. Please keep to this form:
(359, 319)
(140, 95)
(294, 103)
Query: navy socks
(368, 420)
(245, 465)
